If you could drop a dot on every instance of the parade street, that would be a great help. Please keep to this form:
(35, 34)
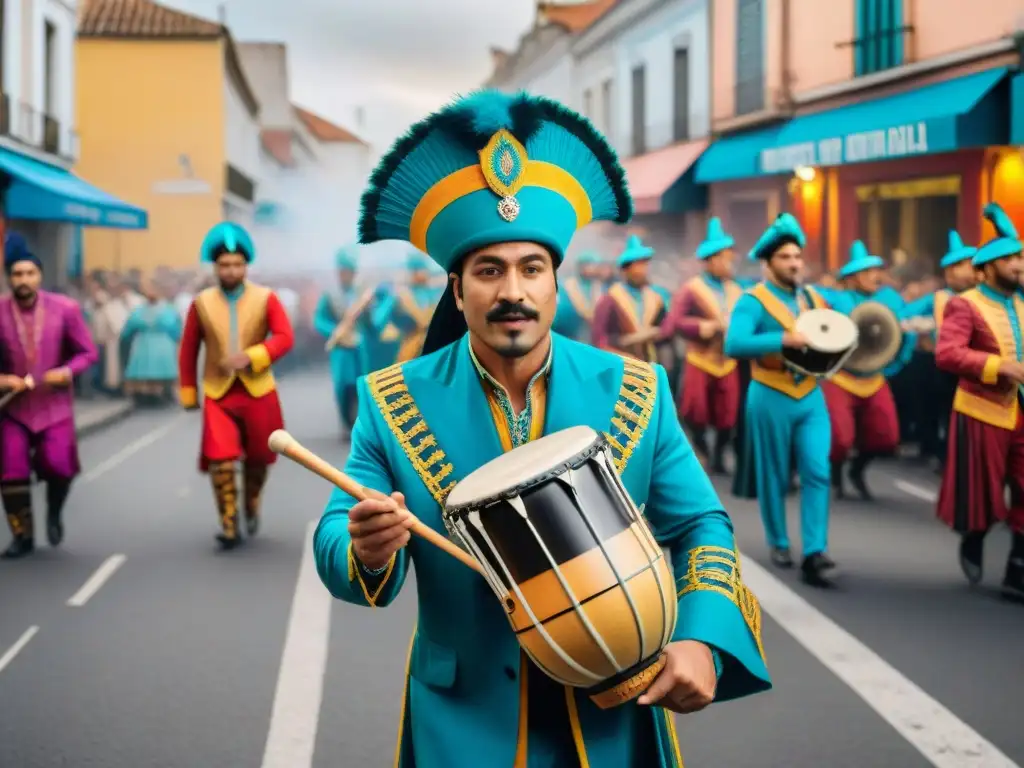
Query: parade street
(139, 645)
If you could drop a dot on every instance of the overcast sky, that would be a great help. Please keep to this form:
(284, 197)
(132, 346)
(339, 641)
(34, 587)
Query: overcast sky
(397, 59)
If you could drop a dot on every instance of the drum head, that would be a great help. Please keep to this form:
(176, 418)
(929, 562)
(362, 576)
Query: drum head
(521, 466)
(827, 330)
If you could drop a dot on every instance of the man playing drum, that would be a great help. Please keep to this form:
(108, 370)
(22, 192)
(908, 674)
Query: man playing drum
(785, 411)
(493, 187)
(980, 342)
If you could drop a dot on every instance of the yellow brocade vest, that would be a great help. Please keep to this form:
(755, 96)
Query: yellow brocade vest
(215, 316)
(771, 370)
(707, 356)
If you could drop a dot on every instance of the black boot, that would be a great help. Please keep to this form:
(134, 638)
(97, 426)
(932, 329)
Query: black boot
(225, 491)
(972, 550)
(17, 501)
(56, 494)
(781, 558)
(857, 468)
(722, 438)
(838, 486)
(1013, 580)
(813, 568)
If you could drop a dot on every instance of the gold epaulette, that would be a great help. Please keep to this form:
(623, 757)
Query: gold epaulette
(390, 393)
(633, 409)
(717, 569)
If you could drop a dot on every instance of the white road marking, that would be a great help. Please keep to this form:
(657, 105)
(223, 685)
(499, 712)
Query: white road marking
(184, 492)
(96, 581)
(943, 739)
(17, 648)
(291, 738)
(917, 491)
(131, 449)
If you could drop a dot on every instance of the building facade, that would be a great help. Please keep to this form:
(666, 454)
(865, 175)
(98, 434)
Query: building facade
(42, 199)
(166, 117)
(883, 120)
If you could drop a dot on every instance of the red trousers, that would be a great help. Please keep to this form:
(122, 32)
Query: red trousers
(238, 425)
(982, 461)
(708, 401)
(869, 423)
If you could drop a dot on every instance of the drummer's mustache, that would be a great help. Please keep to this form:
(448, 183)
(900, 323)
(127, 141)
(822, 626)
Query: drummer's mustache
(508, 310)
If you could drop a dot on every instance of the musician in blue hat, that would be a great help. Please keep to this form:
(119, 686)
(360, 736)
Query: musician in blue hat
(699, 313)
(924, 316)
(493, 188)
(335, 320)
(627, 319)
(410, 308)
(578, 297)
(860, 404)
(983, 345)
(785, 411)
(245, 329)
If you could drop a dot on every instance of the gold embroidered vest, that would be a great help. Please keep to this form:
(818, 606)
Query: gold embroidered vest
(251, 316)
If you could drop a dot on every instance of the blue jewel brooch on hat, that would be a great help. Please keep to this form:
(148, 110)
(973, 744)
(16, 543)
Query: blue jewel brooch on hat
(503, 161)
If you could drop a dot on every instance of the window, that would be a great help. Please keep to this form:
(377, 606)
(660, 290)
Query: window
(607, 96)
(749, 56)
(50, 71)
(681, 75)
(588, 104)
(879, 43)
(639, 110)
(3, 43)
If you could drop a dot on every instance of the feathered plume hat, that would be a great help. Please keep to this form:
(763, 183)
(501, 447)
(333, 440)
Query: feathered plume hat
(957, 251)
(1005, 243)
(227, 237)
(785, 229)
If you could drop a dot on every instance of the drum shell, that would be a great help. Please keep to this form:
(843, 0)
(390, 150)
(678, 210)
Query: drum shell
(609, 591)
(826, 326)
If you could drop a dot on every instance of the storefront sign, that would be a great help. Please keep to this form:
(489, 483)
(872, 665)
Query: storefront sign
(88, 214)
(898, 141)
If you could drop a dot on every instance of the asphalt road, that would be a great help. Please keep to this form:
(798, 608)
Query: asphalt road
(171, 656)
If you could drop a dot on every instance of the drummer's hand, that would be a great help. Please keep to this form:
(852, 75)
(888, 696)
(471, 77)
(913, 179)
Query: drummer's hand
(379, 528)
(1013, 370)
(688, 681)
(794, 340)
(708, 328)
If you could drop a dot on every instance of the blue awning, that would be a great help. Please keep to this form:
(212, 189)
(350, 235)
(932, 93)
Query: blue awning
(1017, 110)
(968, 111)
(49, 193)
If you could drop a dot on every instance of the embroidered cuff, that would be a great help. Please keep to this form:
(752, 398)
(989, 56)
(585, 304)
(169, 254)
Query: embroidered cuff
(189, 397)
(259, 358)
(370, 582)
(990, 372)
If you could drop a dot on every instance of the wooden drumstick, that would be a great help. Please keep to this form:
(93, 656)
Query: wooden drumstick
(286, 445)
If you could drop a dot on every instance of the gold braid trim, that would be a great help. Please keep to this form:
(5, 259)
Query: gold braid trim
(717, 569)
(633, 410)
(403, 418)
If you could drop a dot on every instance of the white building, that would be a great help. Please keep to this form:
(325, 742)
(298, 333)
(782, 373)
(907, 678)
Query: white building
(38, 143)
(242, 126)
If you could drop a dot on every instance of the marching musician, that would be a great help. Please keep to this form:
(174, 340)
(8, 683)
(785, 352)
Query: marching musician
(578, 296)
(710, 385)
(785, 415)
(981, 343)
(521, 175)
(381, 339)
(332, 309)
(409, 308)
(44, 344)
(628, 317)
(861, 405)
(924, 315)
(240, 404)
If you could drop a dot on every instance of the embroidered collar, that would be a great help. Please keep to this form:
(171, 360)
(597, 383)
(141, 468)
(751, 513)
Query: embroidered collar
(499, 389)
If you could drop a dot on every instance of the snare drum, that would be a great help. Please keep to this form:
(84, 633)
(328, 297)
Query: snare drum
(831, 339)
(588, 591)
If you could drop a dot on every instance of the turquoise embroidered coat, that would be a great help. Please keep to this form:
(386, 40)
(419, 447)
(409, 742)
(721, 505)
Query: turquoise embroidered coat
(424, 425)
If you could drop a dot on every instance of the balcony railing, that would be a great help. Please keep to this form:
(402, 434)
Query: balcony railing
(51, 135)
(34, 128)
(239, 184)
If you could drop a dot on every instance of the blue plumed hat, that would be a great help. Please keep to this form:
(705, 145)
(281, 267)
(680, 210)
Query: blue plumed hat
(15, 250)
(494, 168)
(860, 261)
(785, 229)
(227, 237)
(716, 240)
(635, 251)
(589, 258)
(346, 258)
(1005, 243)
(957, 251)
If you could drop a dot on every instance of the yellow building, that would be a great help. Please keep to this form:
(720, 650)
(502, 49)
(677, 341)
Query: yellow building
(166, 119)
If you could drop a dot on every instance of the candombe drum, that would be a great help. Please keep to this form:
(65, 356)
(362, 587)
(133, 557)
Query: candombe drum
(831, 339)
(587, 589)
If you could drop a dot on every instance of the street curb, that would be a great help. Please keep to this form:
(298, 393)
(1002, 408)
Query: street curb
(105, 421)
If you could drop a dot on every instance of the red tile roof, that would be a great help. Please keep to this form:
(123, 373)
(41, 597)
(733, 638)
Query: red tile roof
(278, 144)
(575, 18)
(324, 130)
